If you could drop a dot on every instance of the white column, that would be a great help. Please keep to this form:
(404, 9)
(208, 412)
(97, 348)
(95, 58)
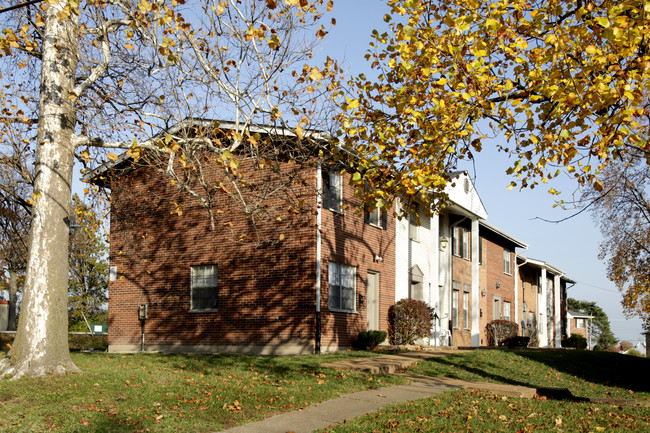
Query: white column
(476, 332)
(556, 312)
(542, 328)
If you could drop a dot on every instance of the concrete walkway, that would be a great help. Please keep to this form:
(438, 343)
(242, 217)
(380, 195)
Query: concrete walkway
(350, 406)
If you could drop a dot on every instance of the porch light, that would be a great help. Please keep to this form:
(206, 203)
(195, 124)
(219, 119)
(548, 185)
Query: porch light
(443, 243)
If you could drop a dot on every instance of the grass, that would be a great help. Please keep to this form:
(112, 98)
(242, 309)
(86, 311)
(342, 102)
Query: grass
(157, 392)
(199, 393)
(584, 373)
(587, 374)
(474, 411)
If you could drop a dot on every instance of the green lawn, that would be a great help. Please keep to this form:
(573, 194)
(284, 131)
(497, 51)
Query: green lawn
(587, 374)
(157, 392)
(584, 373)
(200, 393)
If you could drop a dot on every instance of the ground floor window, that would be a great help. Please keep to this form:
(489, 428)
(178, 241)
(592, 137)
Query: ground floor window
(342, 287)
(204, 287)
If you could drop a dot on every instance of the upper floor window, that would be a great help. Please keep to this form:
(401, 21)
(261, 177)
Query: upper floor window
(376, 217)
(414, 224)
(203, 287)
(332, 190)
(507, 263)
(342, 287)
(460, 242)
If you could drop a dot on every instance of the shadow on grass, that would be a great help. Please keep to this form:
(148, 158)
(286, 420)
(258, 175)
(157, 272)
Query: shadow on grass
(446, 366)
(535, 368)
(604, 368)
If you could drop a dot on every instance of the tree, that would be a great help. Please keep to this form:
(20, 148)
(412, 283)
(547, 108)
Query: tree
(88, 282)
(561, 83)
(601, 328)
(111, 73)
(622, 213)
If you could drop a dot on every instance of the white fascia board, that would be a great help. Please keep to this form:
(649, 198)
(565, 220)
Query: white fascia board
(517, 242)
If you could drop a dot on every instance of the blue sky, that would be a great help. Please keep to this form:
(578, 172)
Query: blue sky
(571, 245)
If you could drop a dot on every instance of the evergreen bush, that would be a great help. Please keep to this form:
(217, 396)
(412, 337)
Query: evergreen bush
(368, 340)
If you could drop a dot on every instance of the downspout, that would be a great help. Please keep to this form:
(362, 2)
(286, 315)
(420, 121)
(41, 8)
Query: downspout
(319, 222)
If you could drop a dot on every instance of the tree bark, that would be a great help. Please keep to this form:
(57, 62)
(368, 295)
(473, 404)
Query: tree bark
(13, 299)
(41, 343)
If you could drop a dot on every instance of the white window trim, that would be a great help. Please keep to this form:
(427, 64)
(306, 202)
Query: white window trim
(338, 266)
(214, 286)
(509, 308)
(377, 213)
(507, 253)
(335, 192)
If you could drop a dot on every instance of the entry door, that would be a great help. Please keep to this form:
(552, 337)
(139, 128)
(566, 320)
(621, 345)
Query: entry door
(373, 301)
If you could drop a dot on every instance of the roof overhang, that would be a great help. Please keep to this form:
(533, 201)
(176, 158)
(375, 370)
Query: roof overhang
(516, 242)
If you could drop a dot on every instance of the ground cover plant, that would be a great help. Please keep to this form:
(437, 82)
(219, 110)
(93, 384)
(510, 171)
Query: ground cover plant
(158, 392)
(476, 411)
(584, 373)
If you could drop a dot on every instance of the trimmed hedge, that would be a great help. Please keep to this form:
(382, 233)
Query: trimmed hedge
(575, 340)
(409, 319)
(368, 340)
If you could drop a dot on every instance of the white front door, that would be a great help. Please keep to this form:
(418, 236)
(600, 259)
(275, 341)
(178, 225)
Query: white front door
(372, 301)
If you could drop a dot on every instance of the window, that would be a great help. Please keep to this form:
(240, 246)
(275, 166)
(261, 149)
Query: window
(480, 250)
(466, 310)
(580, 323)
(460, 240)
(454, 307)
(376, 217)
(332, 190)
(342, 287)
(506, 311)
(414, 227)
(203, 287)
(507, 268)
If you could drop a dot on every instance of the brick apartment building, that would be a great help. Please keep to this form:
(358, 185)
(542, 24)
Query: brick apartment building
(317, 276)
(316, 279)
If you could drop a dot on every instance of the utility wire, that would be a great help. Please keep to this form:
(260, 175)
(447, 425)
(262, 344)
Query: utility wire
(597, 287)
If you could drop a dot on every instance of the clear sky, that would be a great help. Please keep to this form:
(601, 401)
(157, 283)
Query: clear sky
(571, 246)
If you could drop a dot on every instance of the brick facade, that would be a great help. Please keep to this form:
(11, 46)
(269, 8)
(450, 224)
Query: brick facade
(266, 300)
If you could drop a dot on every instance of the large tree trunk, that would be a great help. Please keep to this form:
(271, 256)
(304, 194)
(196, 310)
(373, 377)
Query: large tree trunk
(41, 343)
(13, 299)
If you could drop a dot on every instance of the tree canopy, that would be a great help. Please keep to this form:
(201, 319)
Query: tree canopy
(622, 212)
(559, 83)
(113, 74)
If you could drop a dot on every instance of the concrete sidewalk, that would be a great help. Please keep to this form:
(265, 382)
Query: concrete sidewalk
(350, 406)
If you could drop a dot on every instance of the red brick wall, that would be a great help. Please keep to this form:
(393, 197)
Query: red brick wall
(348, 240)
(497, 283)
(462, 273)
(266, 293)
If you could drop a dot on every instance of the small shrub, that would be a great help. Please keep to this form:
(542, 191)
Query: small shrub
(368, 340)
(575, 340)
(498, 331)
(598, 348)
(409, 319)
